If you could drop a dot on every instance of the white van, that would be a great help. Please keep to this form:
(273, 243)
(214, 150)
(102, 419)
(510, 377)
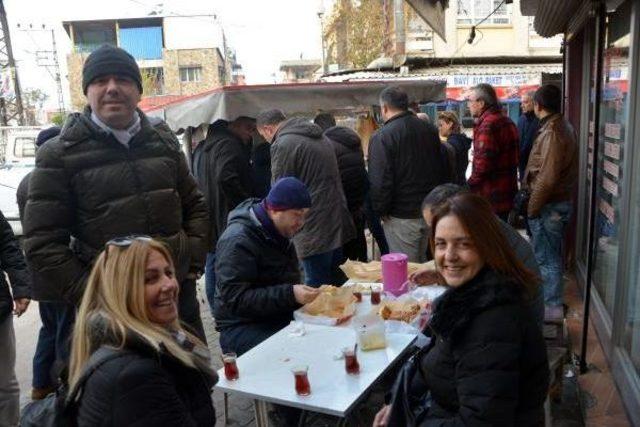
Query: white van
(18, 158)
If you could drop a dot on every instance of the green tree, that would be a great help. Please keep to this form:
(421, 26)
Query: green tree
(357, 32)
(58, 119)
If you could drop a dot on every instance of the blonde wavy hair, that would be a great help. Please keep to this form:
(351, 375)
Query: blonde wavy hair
(115, 296)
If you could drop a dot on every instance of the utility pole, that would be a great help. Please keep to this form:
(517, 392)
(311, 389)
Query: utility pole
(48, 59)
(10, 103)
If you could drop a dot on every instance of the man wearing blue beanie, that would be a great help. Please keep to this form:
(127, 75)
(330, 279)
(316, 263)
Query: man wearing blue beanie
(257, 273)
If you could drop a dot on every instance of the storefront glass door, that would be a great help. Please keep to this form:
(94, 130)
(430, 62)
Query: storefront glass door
(614, 120)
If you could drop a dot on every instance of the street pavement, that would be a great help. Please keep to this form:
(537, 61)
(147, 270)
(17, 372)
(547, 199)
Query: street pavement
(240, 409)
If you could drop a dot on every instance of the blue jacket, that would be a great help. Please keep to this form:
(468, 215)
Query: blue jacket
(528, 125)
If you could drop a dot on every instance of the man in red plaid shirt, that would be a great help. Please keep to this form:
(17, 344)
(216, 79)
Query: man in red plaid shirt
(494, 172)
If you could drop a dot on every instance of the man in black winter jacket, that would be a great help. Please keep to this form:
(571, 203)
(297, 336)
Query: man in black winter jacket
(405, 164)
(353, 175)
(14, 301)
(222, 167)
(257, 274)
(112, 172)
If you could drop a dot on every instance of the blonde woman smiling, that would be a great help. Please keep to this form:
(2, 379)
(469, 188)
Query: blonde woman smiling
(161, 374)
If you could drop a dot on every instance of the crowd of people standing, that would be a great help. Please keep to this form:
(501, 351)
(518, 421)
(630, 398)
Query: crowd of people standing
(118, 229)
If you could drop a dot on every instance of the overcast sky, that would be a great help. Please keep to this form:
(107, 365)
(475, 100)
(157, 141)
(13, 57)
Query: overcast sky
(263, 33)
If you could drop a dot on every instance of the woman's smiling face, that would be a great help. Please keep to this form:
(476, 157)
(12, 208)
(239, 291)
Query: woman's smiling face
(456, 256)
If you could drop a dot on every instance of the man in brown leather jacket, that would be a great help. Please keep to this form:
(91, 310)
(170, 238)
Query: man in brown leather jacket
(551, 176)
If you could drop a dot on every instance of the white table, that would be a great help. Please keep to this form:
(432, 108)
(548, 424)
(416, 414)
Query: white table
(265, 370)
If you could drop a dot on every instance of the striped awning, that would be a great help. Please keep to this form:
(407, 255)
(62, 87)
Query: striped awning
(551, 16)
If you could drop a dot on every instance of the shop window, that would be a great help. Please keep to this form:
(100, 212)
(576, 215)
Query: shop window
(470, 12)
(190, 74)
(614, 120)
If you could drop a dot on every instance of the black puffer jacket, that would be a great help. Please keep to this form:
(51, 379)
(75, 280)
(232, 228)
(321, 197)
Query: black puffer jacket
(147, 388)
(254, 273)
(488, 366)
(405, 164)
(89, 186)
(223, 172)
(353, 173)
(12, 263)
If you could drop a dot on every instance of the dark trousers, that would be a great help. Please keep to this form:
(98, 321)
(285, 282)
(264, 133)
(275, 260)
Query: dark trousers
(324, 268)
(189, 308)
(54, 342)
(375, 226)
(242, 338)
(210, 279)
(356, 249)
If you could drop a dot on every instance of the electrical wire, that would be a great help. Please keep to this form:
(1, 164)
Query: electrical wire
(472, 32)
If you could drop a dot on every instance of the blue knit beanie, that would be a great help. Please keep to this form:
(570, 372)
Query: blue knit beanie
(46, 134)
(288, 193)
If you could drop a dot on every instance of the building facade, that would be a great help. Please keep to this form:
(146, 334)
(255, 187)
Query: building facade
(602, 99)
(177, 55)
(300, 70)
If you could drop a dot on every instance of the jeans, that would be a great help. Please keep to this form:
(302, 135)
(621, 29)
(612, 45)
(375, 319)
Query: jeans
(323, 268)
(54, 342)
(407, 236)
(547, 232)
(9, 388)
(242, 338)
(210, 279)
(189, 308)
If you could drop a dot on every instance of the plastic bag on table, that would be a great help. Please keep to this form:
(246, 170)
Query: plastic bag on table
(370, 331)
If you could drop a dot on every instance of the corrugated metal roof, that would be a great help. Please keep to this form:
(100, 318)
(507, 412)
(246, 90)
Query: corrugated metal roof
(435, 73)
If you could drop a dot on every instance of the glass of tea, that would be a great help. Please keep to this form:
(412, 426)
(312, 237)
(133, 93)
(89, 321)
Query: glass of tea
(230, 367)
(358, 295)
(303, 388)
(351, 364)
(376, 292)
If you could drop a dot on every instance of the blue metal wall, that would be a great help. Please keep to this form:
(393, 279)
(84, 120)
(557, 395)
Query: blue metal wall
(142, 43)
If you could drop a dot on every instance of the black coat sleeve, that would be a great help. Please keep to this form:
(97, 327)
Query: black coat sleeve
(195, 216)
(380, 176)
(231, 161)
(48, 219)
(145, 396)
(236, 273)
(12, 261)
(487, 372)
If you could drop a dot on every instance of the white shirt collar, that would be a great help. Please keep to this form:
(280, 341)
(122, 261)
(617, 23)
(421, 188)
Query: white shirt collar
(122, 135)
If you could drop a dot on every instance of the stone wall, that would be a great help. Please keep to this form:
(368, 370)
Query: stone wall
(208, 59)
(74, 69)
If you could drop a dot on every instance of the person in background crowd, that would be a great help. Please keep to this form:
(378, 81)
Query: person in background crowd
(405, 164)
(521, 247)
(261, 166)
(486, 363)
(324, 120)
(423, 116)
(528, 125)
(257, 273)
(112, 171)
(299, 150)
(12, 301)
(353, 174)
(222, 167)
(494, 173)
(551, 177)
(56, 317)
(157, 373)
(451, 136)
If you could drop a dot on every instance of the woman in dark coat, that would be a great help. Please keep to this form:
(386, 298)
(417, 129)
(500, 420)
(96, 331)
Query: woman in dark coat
(486, 364)
(157, 373)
